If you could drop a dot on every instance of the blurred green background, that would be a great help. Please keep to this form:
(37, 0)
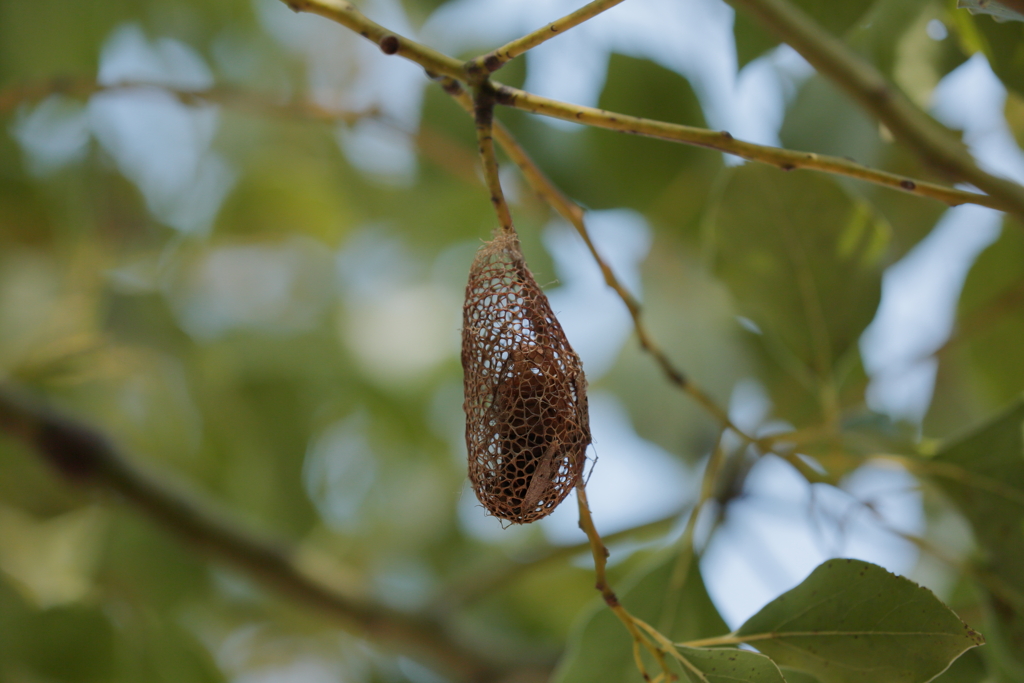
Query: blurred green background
(256, 291)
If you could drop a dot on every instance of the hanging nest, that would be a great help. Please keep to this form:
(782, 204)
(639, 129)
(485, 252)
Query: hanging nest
(527, 428)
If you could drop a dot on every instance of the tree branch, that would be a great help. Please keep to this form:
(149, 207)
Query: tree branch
(908, 123)
(946, 152)
(724, 142)
(84, 455)
(495, 59)
(483, 115)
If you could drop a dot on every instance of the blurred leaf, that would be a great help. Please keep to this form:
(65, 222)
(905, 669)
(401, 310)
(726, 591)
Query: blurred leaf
(602, 650)
(730, 666)
(987, 483)
(883, 28)
(835, 16)
(1003, 45)
(73, 644)
(803, 261)
(990, 318)
(611, 169)
(850, 619)
(823, 119)
(997, 10)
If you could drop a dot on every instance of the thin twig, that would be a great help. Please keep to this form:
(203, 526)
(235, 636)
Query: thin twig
(600, 554)
(495, 59)
(484, 579)
(483, 114)
(84, 455)
(389, 42)
(930, 140)
(724, 142)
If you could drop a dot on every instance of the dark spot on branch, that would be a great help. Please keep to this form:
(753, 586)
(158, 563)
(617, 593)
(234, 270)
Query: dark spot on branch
(554, 29)
(75, 450)
(579, 115)
(492, 63)
(727, 135)
(389, 44)
(295, 7)
(610, 598)
(503, 96)
(787, 167)
(908, 184)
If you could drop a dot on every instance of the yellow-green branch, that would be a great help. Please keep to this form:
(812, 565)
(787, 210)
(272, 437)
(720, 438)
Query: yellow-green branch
(724, 142)
(495, 59)
(483, 115)
(930, 140)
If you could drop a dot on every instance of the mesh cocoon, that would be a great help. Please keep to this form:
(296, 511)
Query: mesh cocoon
(527, 428)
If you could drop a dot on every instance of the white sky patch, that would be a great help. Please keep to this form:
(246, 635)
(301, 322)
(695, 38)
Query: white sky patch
(971, 98)
(764, 87)
(339, 470)
(401, 320)
(278, 289)
(160, 144)
(783, 528)
(53, 134)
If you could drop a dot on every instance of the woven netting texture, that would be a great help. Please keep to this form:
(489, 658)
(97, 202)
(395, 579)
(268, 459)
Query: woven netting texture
(527, 428)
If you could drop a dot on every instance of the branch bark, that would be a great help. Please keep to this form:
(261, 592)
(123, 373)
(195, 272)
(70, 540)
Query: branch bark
(83, 455)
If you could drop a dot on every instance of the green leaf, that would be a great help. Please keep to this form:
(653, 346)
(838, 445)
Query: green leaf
(991, 319)
(998, 11)
(602, 650)
(1003, 44)
(835, 16)
(823, 119)
(803, 261)
(721, 665)
(984, 475)
(852, 621)
(605, 174)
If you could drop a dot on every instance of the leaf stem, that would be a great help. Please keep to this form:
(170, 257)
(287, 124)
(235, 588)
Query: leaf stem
(600, 554)
(495, 59)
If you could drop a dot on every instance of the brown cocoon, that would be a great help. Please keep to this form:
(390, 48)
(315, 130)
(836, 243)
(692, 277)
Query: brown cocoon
(527, 428)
